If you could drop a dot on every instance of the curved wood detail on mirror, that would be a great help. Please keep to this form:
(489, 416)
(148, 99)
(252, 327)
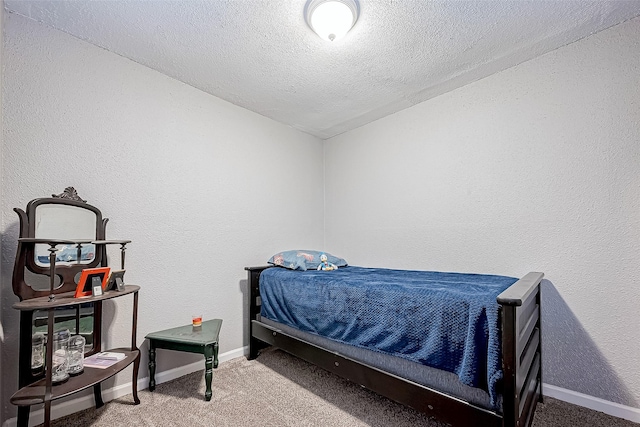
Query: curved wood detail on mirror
(69, 193)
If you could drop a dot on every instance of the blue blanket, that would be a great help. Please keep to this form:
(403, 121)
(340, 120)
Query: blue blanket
(447, 321)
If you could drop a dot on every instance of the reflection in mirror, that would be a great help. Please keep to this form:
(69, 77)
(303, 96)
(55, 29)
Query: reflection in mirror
(64, 222)
(65, 318)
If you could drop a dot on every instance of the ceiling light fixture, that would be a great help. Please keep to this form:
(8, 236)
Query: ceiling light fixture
(331, 19)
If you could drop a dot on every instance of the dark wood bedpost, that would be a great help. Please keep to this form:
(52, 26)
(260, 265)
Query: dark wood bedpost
(254, 308)
(521, 350)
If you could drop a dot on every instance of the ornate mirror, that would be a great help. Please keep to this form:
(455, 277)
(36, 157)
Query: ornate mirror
(63, 217)
(63, 225)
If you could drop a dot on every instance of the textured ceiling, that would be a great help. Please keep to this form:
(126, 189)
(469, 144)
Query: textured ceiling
(259, 54)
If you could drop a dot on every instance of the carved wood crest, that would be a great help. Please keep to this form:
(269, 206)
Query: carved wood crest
(69, 193)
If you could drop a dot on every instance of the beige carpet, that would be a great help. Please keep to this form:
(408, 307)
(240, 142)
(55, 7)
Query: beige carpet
(279, 390)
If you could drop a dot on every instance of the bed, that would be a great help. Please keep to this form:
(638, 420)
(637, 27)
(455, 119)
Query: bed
(497, 383)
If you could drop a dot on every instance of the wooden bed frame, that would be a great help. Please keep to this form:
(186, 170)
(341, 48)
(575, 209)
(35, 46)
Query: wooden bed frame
(521, 361)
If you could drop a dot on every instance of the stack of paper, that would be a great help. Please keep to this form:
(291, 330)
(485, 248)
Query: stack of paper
(103, 360)
(110, 355)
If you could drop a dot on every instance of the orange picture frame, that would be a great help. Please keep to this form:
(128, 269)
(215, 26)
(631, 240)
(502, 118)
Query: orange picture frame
(88, 276)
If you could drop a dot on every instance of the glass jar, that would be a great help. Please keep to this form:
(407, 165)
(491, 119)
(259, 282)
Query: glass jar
(76, 355)
(60, 358)
(37, 354)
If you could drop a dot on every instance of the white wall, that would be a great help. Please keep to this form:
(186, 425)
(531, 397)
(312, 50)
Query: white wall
(1, 198)
(536, 168)
(202, 187)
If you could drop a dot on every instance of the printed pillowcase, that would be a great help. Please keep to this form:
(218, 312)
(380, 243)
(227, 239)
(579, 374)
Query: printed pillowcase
(303, 260)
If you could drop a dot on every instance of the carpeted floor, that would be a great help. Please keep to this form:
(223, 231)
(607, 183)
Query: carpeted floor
(278, 390)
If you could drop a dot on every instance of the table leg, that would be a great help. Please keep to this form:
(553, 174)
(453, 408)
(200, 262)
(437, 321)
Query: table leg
(152, 366)
(23, 416)
(215, 354)
(134, 385)
(97, 395)
(47, 413)
(209, 352)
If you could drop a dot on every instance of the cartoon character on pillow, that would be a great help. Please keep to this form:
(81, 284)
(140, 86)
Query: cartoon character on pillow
(325, 264)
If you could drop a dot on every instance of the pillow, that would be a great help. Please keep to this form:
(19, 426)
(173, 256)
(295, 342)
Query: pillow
(303, 260)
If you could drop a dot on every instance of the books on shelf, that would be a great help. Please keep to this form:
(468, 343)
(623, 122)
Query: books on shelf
(103, 360)
(110, 355)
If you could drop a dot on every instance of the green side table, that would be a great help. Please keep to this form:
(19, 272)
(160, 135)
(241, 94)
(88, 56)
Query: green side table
(202, 340)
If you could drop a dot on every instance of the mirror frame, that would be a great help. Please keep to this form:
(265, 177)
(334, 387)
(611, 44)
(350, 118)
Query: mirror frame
(25, 253)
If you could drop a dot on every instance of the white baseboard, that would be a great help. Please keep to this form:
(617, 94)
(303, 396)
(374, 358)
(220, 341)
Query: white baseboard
(590, 402)
(69, 407)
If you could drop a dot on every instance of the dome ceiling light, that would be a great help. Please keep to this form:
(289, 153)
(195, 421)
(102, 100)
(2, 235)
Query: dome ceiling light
(331, 19)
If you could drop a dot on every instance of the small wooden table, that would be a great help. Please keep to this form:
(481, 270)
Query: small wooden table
(202, 340)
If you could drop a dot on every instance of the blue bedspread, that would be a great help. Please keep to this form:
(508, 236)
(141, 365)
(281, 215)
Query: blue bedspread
(447, 321)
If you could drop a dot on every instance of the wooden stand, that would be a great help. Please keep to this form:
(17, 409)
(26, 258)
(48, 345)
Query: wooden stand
(43, 391)
(202, 340)
(64, 224)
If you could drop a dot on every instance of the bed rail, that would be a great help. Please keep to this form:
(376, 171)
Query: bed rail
(521, 350)
(424, 399)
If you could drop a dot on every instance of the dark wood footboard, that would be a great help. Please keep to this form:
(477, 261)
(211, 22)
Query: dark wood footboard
(521, 350)
(520, 313)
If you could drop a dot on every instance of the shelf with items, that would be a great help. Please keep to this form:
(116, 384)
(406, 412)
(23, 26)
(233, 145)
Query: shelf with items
(44, 390)
(53, 249)
(67, 299)
(35, 393)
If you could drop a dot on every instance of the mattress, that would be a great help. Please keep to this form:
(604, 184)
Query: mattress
(446, 321)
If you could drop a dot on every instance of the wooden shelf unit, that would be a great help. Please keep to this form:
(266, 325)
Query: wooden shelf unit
(43, 391)
(67, 223)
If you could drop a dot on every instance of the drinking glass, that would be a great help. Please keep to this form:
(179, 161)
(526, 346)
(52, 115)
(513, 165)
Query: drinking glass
(60, 358)
(76, 355)
(37, 354)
